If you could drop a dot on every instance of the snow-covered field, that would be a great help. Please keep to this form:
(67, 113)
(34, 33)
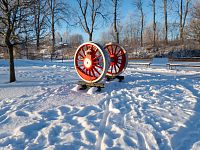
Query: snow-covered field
(151, 109)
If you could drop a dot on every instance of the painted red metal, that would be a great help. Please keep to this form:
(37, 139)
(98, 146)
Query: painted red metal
(118, 59)
(90, 62)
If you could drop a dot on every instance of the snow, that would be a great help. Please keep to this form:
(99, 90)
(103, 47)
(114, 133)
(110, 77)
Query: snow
(92, 90)
(153, 108)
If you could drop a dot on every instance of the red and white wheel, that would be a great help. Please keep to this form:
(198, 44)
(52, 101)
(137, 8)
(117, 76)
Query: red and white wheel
(118, 59)
(91, 62)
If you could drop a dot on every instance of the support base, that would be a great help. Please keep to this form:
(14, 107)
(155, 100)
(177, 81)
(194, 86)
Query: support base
(85, 85)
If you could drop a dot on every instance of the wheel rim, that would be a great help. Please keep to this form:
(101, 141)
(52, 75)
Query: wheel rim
(90, 62)
(118, 59)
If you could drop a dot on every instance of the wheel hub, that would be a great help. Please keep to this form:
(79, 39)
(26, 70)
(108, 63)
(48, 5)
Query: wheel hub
(87, 63)
(113, 60)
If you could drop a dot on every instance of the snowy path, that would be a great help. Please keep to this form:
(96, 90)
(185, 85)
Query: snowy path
(151, 109)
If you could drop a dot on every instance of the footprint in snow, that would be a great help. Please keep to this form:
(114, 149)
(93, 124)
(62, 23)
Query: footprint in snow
(4, 119)
(4, 110)
(108, 141)
(53, 135)
(77, 135)
(50, 115)
(64, 109)
(90, 136)
(22, 114)
(93, 117)
(87, 110)
(69, 119)
(31, 131)
(24, 96)
(12, 143)
(129, 142)
(112, 134)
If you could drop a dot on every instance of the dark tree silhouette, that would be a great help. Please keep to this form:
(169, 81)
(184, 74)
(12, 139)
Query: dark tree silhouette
(14, 14)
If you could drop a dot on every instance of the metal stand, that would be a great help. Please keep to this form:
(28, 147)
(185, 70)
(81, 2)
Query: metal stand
(110, 78)
(85, 85)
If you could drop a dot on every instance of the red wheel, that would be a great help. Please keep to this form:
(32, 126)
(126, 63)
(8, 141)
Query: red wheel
(91, 62)
(118, 59)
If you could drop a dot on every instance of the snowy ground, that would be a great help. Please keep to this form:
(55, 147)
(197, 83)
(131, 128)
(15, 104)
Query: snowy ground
(151, 109)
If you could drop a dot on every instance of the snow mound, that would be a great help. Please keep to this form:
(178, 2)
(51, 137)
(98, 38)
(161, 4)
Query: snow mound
(76, 88)
(92, 90)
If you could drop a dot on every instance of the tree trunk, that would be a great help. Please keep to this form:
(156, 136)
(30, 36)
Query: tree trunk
(117, 37)
(154, 23)
(115, 22)
(27, 55)
(142, 28)
(166, 25)
(90, 36)
(53, 33)
(38, 41)
(184, 18)
(26, 45)
(181, 20)
(11, 63)
(38, 26)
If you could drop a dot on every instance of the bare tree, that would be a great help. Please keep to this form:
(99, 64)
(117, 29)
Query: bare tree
(40, 23)
(27, 37)
(139, 5)
(58, 12)
(130, 33)
(153, 2)
(148, 34)
(173, 30)
(166, 24)
(160, 33)
(89, 10)
(183, 12)
(194, 26)
(58, 38)
(76, 40)
(115, 19)
(12, 19)
(113, 33)
(105, 37)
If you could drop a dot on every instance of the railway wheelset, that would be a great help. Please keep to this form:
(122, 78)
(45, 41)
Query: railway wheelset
(94, 62)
